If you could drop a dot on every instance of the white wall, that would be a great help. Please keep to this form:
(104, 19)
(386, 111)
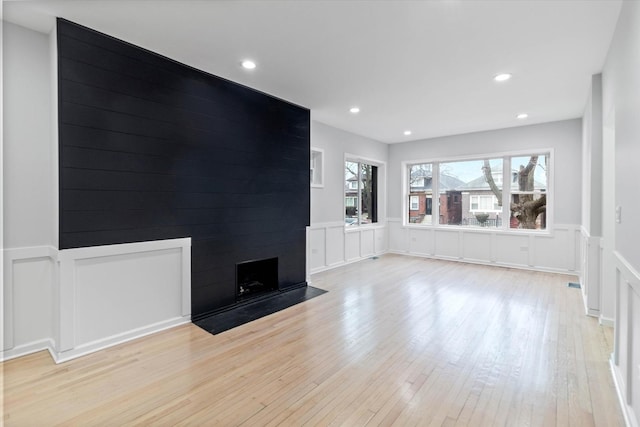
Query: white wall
(592, 185)
(327, 203)
(29, 217)
(553, 251)
(621, 83)
(592, 159)
(621, 86)
(2, 304)
(329, 244)
(608, 273)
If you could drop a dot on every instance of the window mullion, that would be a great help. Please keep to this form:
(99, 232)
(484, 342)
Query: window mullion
(435, 193)
(506, 192)
(407, 196)
(359, 200)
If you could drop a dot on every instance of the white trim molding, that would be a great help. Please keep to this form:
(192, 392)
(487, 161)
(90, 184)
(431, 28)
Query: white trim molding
(316, 169)
(590, 271)
(552, 251)
(625, 361)
(27, 323)
(94, 297)
(82, 286)
(331, 244)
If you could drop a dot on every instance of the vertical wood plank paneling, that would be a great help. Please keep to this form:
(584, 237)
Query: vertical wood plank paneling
(151, 149)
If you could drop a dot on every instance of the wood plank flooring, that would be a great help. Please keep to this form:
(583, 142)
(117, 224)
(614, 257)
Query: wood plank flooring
(396, 341)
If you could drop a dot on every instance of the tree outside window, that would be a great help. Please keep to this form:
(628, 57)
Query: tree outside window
(529, 201)
(470, 192)
(361, 180)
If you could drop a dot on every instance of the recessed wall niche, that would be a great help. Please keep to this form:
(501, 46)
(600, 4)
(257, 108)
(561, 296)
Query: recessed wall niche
(316, 171)
(153, 149)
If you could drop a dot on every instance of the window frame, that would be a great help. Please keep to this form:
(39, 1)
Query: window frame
(506, 195)
(380, 198)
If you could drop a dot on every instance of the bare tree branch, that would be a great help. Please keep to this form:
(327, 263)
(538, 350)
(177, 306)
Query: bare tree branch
(488, 176)
(526, 174)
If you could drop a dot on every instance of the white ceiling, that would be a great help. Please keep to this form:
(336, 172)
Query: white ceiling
(426, 66)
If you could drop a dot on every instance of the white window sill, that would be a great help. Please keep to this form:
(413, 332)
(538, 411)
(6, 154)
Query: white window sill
(354, 228)
(506, 231)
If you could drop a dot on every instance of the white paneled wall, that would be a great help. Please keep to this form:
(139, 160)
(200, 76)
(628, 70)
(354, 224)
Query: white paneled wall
(76, 301)
(554, 251)
(29, 285)
(590, 274)
(331, 245)
(626, 353)
(114, 293)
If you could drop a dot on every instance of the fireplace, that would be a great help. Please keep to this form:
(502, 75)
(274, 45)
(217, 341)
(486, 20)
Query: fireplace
(256, 277)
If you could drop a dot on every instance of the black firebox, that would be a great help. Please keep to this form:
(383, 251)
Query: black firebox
(256, 277)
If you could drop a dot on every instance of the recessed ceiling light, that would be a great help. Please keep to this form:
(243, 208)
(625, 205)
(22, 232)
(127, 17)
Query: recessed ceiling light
(502, 77)
(248, 64)
(522, 116)
(354, 110)
(407, 132)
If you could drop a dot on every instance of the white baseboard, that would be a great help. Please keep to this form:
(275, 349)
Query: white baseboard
(60, 357)
(479, 262)
(82, 350)
(343, 263)
(26, 349)
(630, 419)
(606, 321)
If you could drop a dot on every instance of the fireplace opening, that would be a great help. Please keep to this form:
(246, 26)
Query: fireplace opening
(256, 277)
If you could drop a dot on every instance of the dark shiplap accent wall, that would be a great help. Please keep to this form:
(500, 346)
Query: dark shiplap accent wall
(152, 149)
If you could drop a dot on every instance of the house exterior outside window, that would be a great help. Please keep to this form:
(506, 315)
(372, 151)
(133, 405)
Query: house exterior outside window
(484, 203)
(480, 192)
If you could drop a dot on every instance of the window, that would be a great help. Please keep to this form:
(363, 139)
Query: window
(458, 180)
(420, 182)
(414, 203)
(484, 203)
(361, 182)
(480, 192)
(529, 192)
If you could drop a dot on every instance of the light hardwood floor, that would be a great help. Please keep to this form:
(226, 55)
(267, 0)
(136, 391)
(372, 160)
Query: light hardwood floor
(395, 341)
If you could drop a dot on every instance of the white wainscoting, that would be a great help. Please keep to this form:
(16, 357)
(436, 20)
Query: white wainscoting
(330, 245)
(590, 274)
(77, 301)
(115, 293)
(555, 251)
(625, 361)
(30, 275)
